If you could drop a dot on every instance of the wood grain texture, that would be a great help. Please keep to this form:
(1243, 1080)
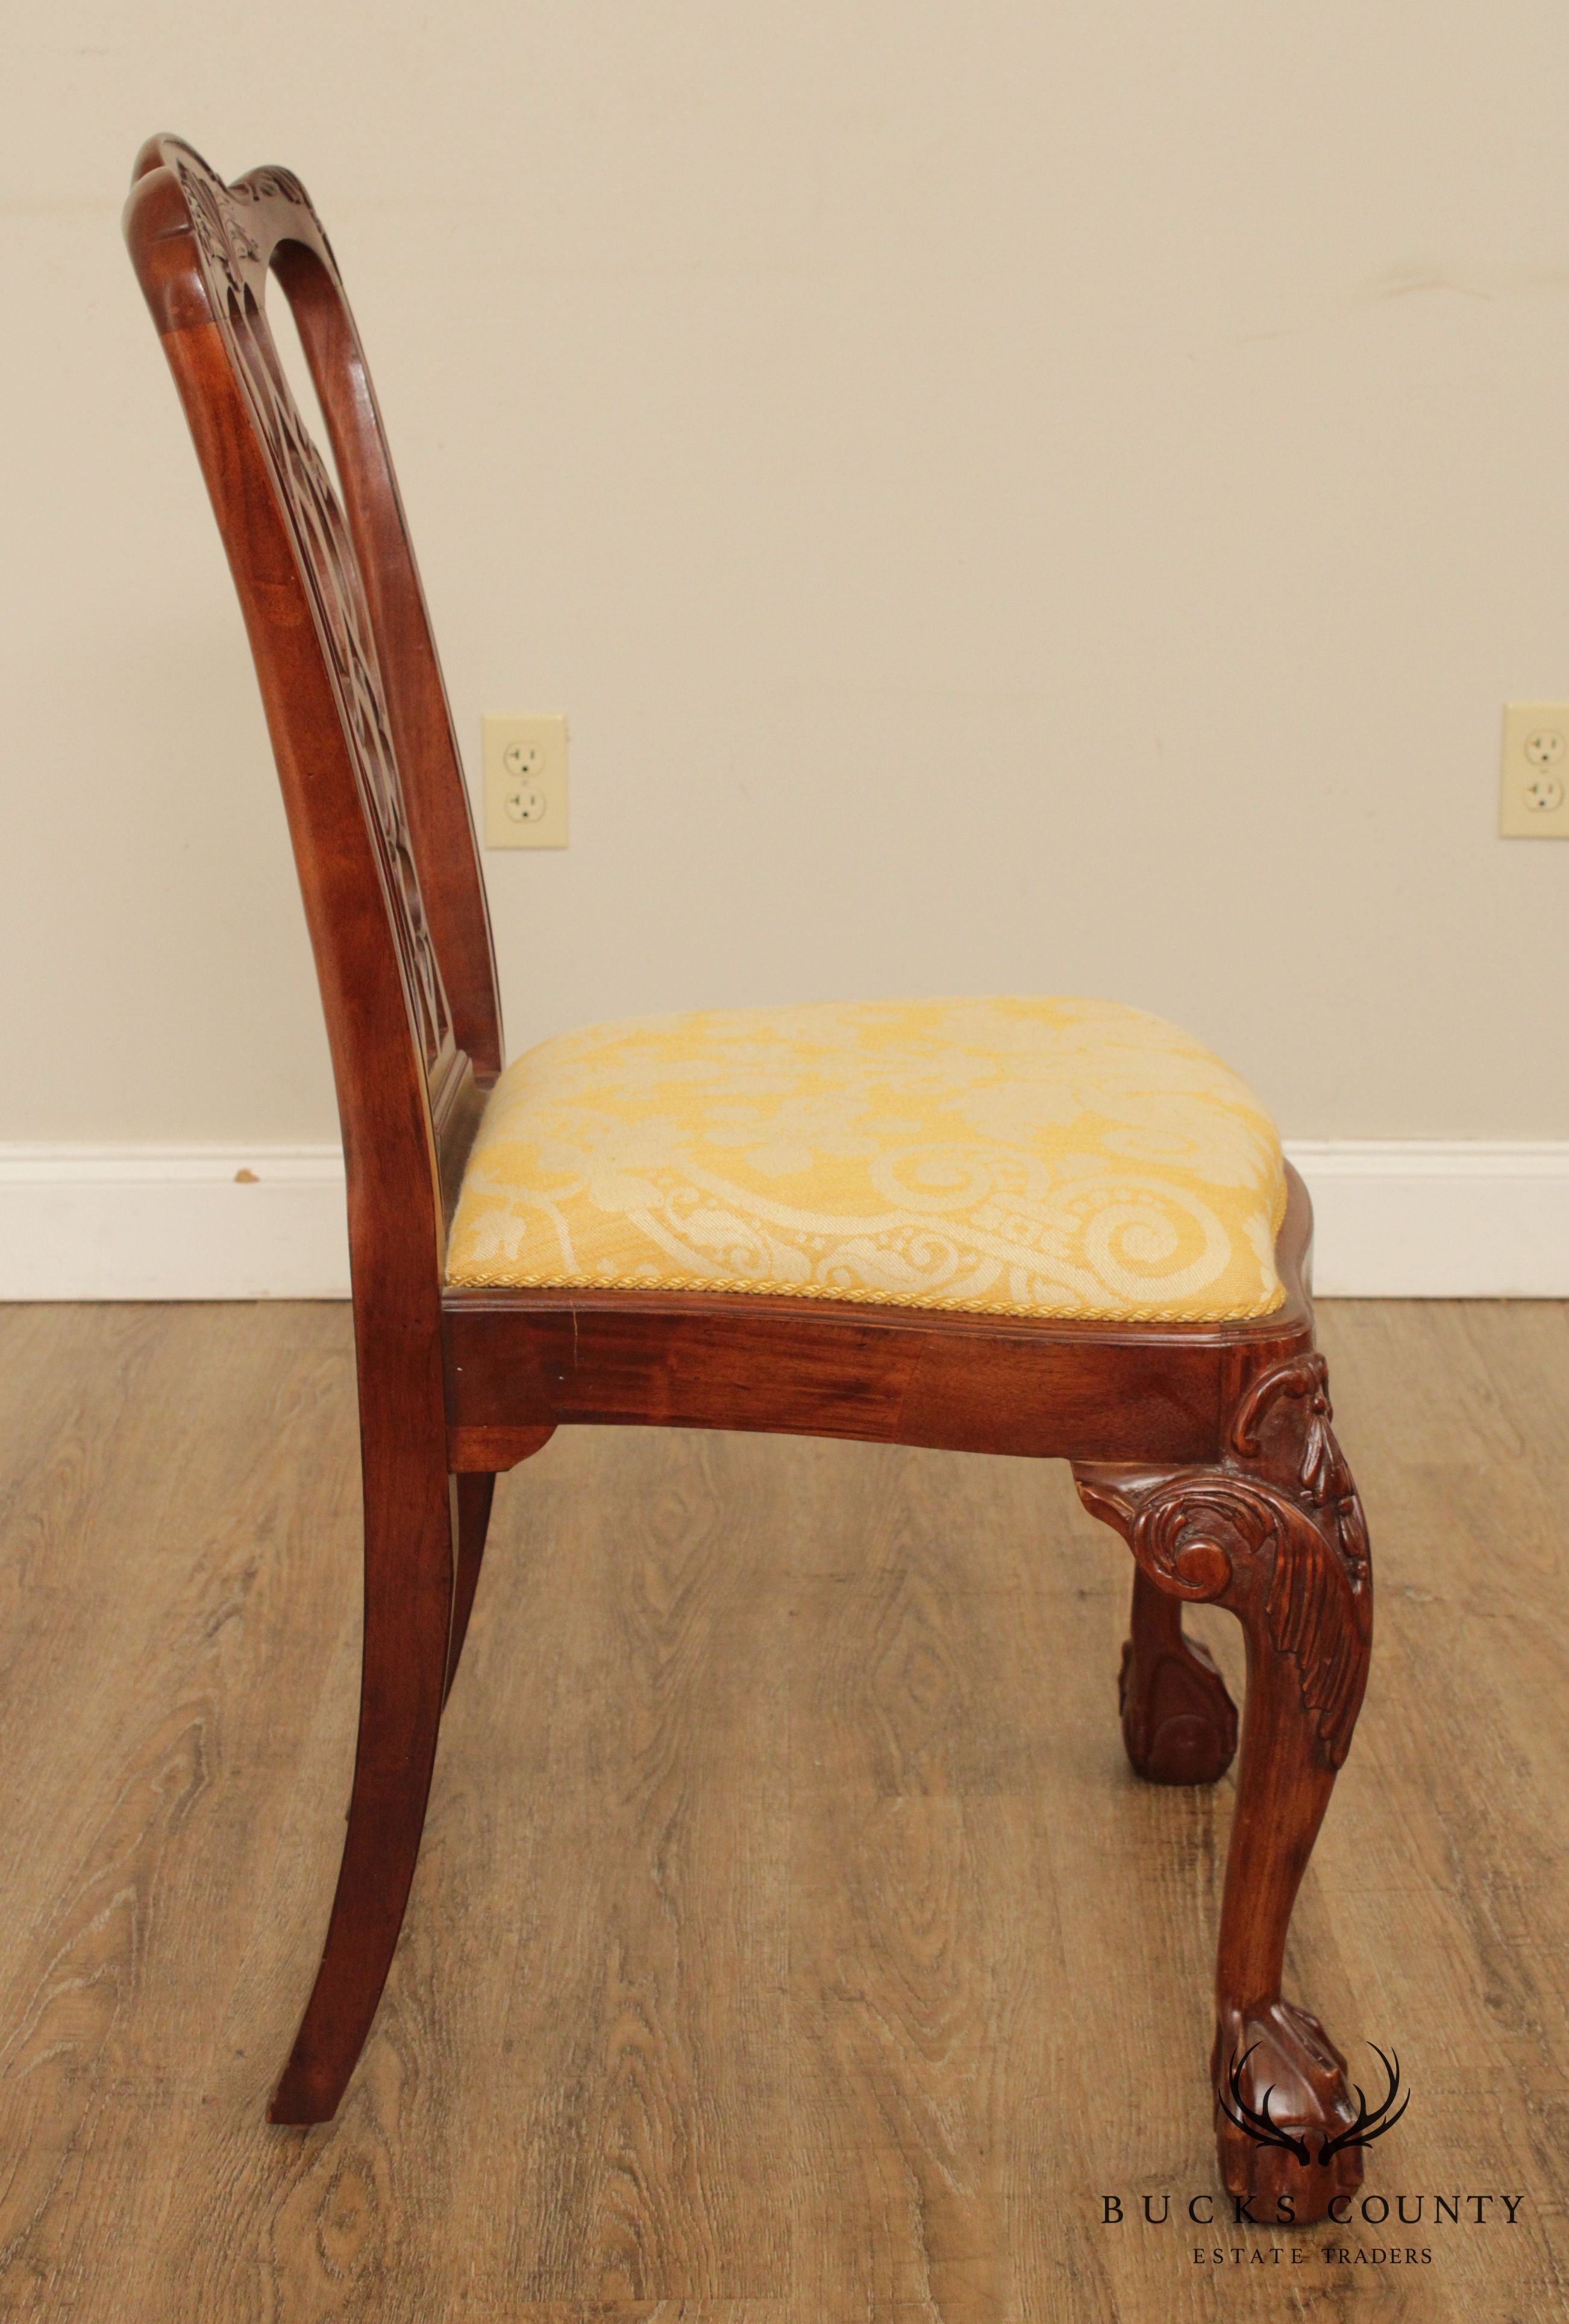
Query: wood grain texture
(521, 1361)
(784, 1943)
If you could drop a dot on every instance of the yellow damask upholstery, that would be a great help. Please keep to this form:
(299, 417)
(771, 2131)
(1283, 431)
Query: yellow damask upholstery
(1018, 1157)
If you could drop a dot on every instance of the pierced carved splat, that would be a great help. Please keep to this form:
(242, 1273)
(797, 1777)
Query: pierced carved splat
(237, 228)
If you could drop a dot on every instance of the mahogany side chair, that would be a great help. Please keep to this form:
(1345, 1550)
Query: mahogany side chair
(1057, 1228)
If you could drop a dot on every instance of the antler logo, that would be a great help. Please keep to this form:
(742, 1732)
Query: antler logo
(1260, 2126)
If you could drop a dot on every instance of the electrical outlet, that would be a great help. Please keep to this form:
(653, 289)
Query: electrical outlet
(1533, 793)
(525, 782)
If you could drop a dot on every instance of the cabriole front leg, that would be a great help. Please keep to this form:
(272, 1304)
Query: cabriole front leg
(1274, 1532)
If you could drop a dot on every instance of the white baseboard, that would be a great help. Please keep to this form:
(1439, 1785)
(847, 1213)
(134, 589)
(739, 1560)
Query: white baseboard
(1419, 1218)
(1397, 1218)
(172, 1223)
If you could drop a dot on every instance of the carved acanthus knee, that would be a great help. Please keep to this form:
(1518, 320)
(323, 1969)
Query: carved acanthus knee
(1274, 1532)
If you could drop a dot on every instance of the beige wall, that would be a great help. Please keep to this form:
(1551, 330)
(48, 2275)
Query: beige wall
(1010, 497)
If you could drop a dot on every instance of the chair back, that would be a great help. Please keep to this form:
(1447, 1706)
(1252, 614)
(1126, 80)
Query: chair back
(378, 810)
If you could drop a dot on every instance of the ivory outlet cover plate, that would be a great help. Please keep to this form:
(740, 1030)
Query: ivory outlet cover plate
(525, 780)
(1534, 788)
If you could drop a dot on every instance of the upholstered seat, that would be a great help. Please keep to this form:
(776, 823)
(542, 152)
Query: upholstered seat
(1044, 1158)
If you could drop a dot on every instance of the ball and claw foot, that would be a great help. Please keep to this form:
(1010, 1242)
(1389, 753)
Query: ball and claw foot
(1281, 2109)
(1179, 1724)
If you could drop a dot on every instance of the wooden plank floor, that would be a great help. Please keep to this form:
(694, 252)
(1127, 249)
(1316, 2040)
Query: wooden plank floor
(790, 1941)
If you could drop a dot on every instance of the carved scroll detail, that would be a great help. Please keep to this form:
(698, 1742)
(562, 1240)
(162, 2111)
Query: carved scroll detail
(1275, 1532)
